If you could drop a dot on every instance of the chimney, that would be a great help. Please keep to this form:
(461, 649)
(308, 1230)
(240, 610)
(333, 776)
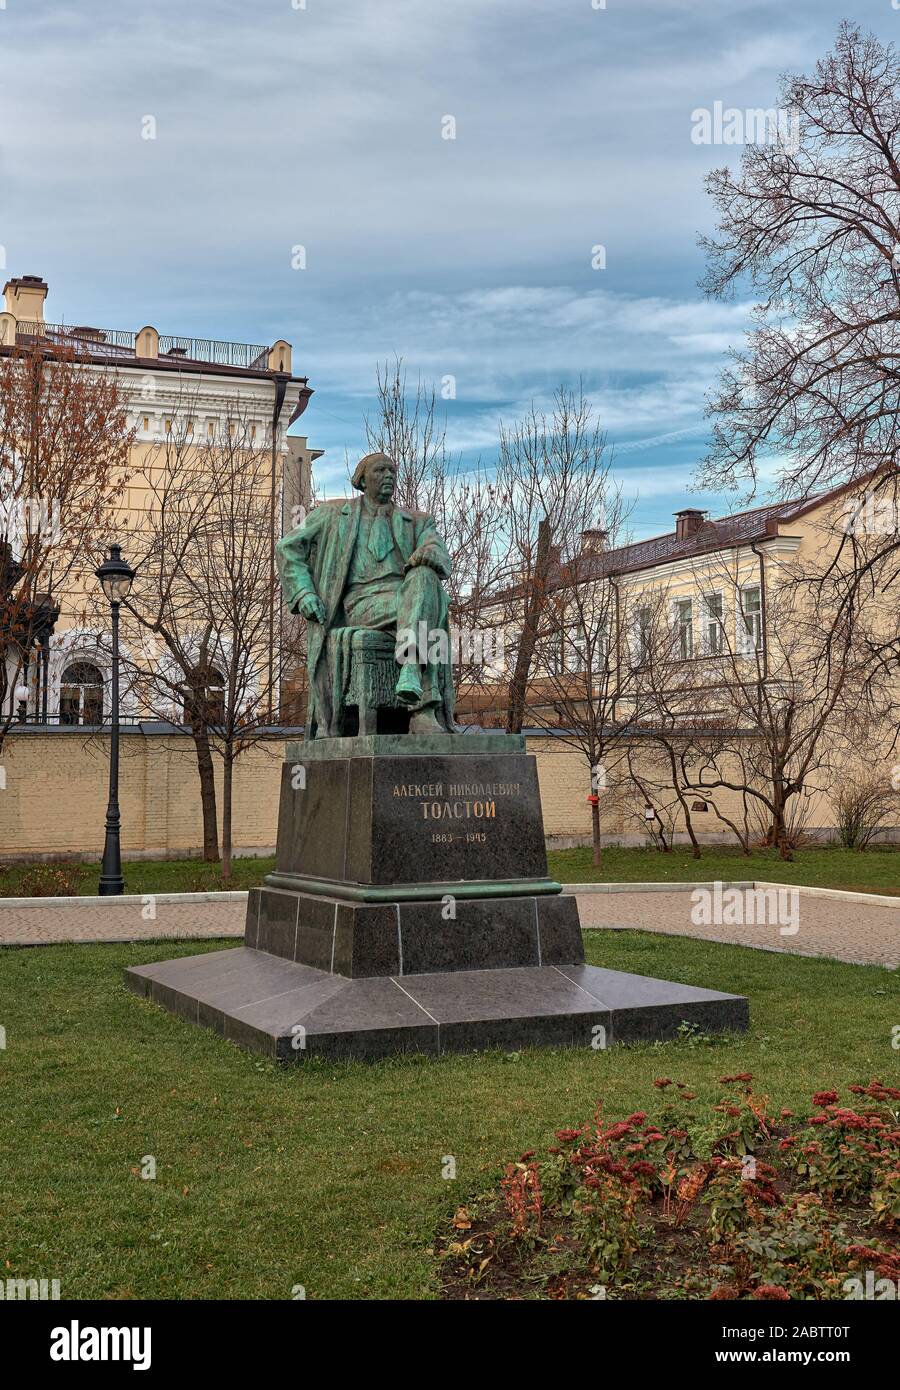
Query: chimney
(594, 540)
(25, 298)
(688, 522)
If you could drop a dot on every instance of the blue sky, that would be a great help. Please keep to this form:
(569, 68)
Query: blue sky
(321, 127)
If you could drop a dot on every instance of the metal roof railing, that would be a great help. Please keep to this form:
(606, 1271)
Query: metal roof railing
(117, 342)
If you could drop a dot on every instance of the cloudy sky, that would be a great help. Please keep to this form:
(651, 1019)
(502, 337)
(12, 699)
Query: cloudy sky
(320, 124)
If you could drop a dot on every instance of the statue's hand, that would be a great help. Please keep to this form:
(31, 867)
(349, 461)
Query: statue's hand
(312, 608)
(421, 557)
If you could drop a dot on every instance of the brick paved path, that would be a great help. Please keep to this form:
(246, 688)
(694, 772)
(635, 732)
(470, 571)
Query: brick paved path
(853, 931)
(858, 932)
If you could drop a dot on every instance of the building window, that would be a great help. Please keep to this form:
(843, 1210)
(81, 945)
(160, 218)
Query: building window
(644, 634)
(146, 424)
(684, 628)
(553, 655)
(81, 694)
(751, 619)
(714, 631)
(575, 653)
(214, 704)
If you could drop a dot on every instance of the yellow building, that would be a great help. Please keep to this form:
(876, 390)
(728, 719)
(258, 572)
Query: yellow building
(172, 385)
(708, 635)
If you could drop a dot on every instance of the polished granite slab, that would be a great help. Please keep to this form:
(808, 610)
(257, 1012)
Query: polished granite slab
(290, 1011)
(413, 938)
(408, 818)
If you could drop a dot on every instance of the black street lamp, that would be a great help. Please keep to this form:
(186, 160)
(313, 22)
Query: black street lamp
(116, 578)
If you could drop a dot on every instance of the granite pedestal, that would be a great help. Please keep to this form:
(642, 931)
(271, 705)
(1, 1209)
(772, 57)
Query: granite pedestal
(411, 910)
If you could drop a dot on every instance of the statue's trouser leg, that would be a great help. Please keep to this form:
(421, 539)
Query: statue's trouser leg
(422, 627)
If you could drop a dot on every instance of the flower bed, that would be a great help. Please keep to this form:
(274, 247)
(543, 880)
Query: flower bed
(735, 1202)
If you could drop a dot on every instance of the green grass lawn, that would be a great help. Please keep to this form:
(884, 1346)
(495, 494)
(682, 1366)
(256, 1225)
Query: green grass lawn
(870, 871)
(146, 876)
(329, 1175)
(874, 871)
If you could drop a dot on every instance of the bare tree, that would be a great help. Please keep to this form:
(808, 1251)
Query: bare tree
(553, 477)
(197, 623)
(815, 230)
(407, 429)
(580, 686)
(855, 576)
(166, 648)
(234, 593)
(762, 707)
(64, 448)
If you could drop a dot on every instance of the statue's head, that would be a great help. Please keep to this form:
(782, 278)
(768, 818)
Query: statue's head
(376, 476)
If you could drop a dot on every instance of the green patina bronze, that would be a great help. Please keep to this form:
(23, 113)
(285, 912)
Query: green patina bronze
(367, 575)
(393, 745)
(415, 892)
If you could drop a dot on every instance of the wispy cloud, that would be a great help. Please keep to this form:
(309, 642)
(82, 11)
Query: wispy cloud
(472, 258)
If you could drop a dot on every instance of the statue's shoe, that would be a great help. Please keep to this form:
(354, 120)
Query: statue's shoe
(409, 686)
(425, 723)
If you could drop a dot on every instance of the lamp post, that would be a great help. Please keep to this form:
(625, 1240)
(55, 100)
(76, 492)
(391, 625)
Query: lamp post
(21, 703)
(116, 578)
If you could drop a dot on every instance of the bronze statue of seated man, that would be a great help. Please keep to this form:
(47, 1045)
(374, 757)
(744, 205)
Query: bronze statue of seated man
(369, 565)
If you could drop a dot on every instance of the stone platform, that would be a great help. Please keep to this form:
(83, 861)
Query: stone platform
(411, 910)
(289, 1011)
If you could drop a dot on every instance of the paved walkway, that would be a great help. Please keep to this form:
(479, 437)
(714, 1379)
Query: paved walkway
(858, 932)
(127, 919)
(853, 931)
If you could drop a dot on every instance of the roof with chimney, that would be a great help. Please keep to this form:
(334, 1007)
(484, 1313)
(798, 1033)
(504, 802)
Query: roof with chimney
(697, 537)
(694, 535)
(114, 347)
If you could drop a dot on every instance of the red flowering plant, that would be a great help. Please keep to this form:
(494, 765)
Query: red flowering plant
(744, 1122)
(739, 1191)
(850, 1154)
(738, 1202)
(521, 1188)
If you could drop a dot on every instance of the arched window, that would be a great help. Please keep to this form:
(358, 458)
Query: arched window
(215, 699)
(81, 694)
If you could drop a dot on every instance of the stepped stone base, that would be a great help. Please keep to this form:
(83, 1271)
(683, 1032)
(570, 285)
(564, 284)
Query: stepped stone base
(290, 1011)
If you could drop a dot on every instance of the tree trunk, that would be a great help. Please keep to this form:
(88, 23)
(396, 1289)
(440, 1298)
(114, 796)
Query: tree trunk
(518, 686)
(778, 831)
(695, 848)
(689, 827)
(595, 834)
(227, 784)
(207, 789)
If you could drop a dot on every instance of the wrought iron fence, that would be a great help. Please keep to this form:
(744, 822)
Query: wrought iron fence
(99, 341)
(210, 350)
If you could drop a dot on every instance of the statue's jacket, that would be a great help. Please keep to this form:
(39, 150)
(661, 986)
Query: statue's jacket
(315, 559)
